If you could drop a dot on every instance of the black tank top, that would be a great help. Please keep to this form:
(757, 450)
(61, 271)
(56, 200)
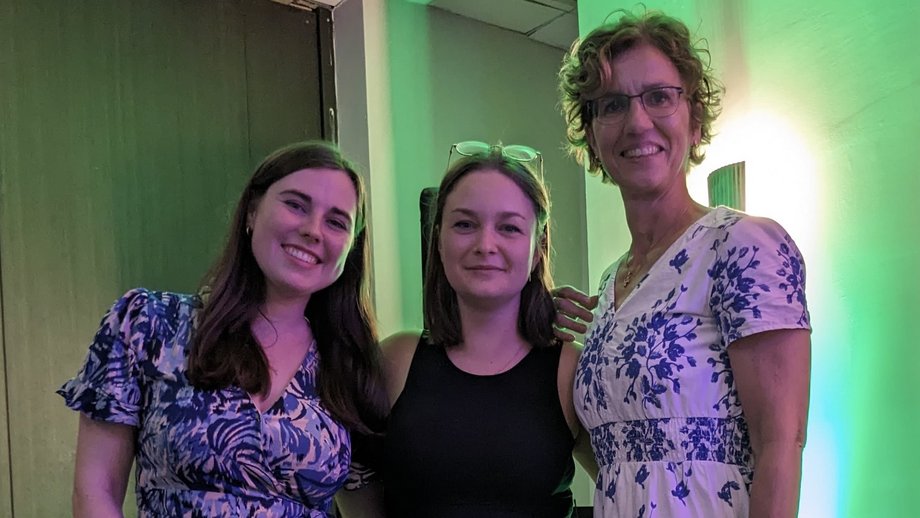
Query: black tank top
(462, 445)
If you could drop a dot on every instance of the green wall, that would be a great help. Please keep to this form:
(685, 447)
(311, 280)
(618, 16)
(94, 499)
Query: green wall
(127, 130)
(434, 79)
(822, 105)
(412, 81)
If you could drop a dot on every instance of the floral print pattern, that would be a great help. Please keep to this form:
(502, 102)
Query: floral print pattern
(206, 452)
(654, 385)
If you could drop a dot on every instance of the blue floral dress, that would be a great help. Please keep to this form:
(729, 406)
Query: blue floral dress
(206, 453)
(654, 386)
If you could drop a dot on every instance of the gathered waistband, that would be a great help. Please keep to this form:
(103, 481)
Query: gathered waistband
(673, 439)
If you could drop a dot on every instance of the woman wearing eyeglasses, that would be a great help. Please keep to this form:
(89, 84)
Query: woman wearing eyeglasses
(694, 379)
(482, 421)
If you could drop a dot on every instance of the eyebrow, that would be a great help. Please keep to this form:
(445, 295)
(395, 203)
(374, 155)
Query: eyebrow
(503, 214)
(306, 198)
(645, 87)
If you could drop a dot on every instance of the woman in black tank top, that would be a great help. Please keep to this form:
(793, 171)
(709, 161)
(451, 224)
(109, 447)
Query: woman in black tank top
(482, 422)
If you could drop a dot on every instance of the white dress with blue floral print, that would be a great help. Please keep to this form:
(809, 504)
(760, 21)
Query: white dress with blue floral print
(204, 453)
(654, 386)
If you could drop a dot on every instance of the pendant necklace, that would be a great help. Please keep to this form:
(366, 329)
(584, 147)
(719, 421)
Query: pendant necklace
(628, 270)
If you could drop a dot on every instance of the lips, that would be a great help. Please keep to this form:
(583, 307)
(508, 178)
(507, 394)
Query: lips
(642, 151)
(485, 268)
(301, 254)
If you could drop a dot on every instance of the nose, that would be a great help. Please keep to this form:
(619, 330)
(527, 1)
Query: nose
(637, 118)
(485, 242)
(310, 228)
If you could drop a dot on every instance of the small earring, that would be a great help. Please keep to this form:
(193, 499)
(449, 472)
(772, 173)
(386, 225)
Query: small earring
(249, 231)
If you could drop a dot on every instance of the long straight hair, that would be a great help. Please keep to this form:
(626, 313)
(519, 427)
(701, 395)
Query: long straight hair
(224, 350)
(440, 306)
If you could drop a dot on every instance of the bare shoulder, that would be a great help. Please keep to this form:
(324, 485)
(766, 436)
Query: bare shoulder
(399, 347)
(397, 351)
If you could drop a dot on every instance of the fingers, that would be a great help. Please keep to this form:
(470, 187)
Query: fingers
(574, 311)
(576, 295)
(569, 324)
(562, 335)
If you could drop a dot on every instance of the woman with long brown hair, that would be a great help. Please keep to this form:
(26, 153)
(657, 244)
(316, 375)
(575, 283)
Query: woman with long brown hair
(239, 401)
(482, 420)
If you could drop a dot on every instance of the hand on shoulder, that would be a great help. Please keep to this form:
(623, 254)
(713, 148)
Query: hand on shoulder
(573, 312)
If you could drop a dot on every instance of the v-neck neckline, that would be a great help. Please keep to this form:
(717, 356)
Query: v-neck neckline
(668, 252)
(307, 357)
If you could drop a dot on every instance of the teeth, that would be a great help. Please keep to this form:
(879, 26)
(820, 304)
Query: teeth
(642, 151)
(300, 254)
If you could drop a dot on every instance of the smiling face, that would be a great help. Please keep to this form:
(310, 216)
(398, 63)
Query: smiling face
(302, 230)
(640, 153)
(487, 238)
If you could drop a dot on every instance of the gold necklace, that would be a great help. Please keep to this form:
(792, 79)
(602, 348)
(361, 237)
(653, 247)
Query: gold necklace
(627, 274)
(628, 271)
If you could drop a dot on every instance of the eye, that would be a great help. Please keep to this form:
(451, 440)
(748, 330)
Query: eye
(659, 97)
(510, 228)
(612, 105)
(338, 223)
(295, 205)
(463, 224)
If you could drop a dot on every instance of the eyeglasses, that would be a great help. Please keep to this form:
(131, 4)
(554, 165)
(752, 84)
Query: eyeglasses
(516, 152)
(661, 101)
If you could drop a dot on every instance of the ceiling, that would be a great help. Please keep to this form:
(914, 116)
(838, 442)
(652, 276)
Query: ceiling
(553, 22)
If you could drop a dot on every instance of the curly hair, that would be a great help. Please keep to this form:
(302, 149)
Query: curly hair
(587, 65)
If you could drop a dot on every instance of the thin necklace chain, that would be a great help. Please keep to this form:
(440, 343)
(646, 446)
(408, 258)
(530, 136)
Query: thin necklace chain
(628, 270)
(511, 360)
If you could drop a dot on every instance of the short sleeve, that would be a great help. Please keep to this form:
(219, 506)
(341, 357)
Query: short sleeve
(604, 292)
(107, 387)
(367, 451)
(758, 280)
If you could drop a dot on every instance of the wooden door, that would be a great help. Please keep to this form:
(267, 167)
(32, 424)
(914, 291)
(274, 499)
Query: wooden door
(127, 130)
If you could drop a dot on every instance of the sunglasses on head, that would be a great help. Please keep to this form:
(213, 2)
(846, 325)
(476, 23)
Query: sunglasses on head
(516, 152)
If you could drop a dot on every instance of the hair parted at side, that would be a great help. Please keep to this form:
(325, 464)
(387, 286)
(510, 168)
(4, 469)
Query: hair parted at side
(581, 78)
(224, 351)
(440, 306)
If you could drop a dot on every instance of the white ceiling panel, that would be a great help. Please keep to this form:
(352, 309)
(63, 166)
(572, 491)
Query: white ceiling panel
(522, 16)
(560, 32)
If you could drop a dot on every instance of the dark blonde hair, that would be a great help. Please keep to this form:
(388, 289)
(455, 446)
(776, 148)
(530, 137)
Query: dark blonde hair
(224, 351)
(583, 74)
(440, 305)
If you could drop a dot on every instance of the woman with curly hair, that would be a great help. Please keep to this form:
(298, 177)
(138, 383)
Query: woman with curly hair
(694, 379)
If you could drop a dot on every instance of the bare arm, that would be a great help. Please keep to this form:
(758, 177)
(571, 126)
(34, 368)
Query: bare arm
(772, 373)
(105, 452)
(573, 310)
(366, 502)
(584, 454)
(397, 352)
(568, 362)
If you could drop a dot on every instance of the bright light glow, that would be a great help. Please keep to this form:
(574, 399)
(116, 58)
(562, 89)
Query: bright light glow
(780, 173)
(782, 179)
(820, 487)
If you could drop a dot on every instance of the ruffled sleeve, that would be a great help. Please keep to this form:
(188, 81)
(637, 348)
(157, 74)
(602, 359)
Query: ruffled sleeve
(758, 280)
(107, 387)
(366, 458)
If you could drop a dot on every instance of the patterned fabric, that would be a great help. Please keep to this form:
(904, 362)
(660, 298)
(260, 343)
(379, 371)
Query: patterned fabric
(206, 453)
(654, 385)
